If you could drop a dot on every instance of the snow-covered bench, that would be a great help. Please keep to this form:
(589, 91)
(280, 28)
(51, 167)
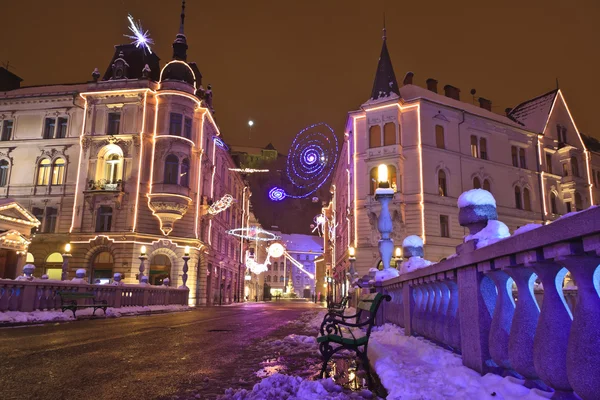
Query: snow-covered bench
(338, 332)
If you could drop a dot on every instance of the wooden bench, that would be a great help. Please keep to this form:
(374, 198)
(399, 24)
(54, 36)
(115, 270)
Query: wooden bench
(338, 332)
(70, 301)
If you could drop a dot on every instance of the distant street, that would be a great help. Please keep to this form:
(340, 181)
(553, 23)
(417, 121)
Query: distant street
(143, 357)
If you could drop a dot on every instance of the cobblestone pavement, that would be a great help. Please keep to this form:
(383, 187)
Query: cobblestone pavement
(195, 354)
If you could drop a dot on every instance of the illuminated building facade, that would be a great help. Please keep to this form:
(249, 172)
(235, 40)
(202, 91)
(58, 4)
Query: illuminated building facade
(533, 160)
(132, 158)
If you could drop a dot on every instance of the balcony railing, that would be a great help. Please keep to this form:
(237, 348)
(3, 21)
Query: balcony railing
(104, 185)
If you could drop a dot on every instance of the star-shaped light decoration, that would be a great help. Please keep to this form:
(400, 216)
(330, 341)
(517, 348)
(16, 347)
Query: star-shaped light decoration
(140, 37)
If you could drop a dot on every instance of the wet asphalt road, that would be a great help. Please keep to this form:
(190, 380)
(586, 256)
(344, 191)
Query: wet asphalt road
(165, 356)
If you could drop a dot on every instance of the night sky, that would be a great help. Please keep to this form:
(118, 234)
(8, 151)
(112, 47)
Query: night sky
(288, 64)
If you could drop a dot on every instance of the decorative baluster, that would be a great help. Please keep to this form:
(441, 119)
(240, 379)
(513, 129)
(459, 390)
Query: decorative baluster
(430, 311)
(416, 323)
(442, 300)
(452, 326)
(583, 351)
(552, 334)
(501, 319)
(525, 319)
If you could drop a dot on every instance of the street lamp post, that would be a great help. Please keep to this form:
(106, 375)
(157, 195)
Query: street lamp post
(384, 194)
(186, 258)
(65, 265)
(143, 257)
(220, 282)
(250, 125)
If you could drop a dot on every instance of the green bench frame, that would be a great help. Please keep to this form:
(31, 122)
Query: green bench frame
(339, 307)
(335, 326)
(69, 301)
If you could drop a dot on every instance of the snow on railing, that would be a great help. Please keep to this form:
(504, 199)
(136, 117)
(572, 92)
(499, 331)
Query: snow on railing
(547, 333)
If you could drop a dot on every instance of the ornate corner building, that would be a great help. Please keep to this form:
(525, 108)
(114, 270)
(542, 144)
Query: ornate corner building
(533, 160)
(132, 158)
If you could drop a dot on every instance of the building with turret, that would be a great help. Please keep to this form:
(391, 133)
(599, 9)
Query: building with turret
(533, 160)
(131, 159)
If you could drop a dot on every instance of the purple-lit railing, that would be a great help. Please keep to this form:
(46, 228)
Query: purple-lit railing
(549, 336)
(42, 295)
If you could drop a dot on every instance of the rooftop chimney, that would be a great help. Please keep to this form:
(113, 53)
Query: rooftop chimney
(408, 78)
(452, 92)
(432, 85)
(507, 110)
(485, 103)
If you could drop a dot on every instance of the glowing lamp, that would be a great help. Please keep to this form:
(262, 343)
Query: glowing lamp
(68, 248)
(250, 123)
(382, 176)
(276, 250)
(351, 251)
(398, 252)
(143, 251)
(186, 251)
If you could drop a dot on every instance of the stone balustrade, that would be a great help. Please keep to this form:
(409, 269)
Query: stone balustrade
(549, 337)
(26, 296)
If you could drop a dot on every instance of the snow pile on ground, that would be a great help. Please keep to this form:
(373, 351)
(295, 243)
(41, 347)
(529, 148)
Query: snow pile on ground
(285, 387)
(476, 197)
(526, 228)
(413, 264)
(13, 317)
(494, 232)
(412, 368)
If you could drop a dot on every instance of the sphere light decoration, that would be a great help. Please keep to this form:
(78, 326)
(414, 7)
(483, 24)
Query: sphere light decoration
(253, 233)
(276, 250)
(310, 161)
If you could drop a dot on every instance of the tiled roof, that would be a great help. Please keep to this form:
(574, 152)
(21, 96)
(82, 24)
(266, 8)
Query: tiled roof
(385, 80)
(534, 113)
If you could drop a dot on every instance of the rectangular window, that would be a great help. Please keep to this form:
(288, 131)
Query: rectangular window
(439, 137)
(568, 204)
(61, 130)
(50, 225)
(522, 159)
(49, 126)
(483, 149)
(565, 169)
(38, 213)
(474, 150)
(114, 123)
(444, 226)
(548, 163)
(187, 131)
(7, 128)
(104, 219)
(515, 156)
(175, 124)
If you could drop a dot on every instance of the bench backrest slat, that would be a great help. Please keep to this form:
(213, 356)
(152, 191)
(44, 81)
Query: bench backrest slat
(369, 302)
(75, 295)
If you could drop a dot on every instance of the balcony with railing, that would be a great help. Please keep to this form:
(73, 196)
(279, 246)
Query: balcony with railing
(104, 185)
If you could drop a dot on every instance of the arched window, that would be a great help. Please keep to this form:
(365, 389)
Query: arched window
(578, 202)
(58, 172)
(160, 269)
(112, 172)
(43, 177)
(373, 180)
(393, 177)
(476, 183)
(102, 268)
(574, 166)
(184, 179)
(268, 278)
(487, 186)
(275, 278)
(442, 183)
(518, 203)
(29, 259)
(3, 173)
(104, 219)
(374, 136)
(526, 199)
(53, 267)
(553, 208)
(171, 169)
(281, 278)
(275, 266)
(389, 134)
(439, 137)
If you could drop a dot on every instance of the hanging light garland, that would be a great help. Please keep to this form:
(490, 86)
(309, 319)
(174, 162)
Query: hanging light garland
(221, 205)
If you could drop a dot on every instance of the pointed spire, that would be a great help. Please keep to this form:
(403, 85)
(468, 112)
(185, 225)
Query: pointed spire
(385, 79)
(180, 44)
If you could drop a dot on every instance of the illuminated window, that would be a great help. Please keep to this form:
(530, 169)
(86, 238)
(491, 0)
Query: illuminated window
(518, 203)
(487, 186)
(185, 173)
(43, 177)
(574, 166)
(483, 149)
(476, 183)
(389, 134)
(114, 123)
(3, 173)
(171, 169)
(49, 125)
(112, 167)
(104, 219)
(578, 202)
(444, 226)
(442, 183)
(526, 199)
(474, 150)
(393, 177)
(58, 172)
(102, 268)
(175, 120)
(7, 128)
(439, 137)
(374, 136)
(373, 180)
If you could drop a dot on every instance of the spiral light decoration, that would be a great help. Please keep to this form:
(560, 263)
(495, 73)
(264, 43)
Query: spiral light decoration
(310, 162)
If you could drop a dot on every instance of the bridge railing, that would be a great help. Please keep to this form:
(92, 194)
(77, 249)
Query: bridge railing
(482, 303)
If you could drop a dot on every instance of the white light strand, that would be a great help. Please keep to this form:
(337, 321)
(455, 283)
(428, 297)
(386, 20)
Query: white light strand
(221, 205)
(248, 170)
